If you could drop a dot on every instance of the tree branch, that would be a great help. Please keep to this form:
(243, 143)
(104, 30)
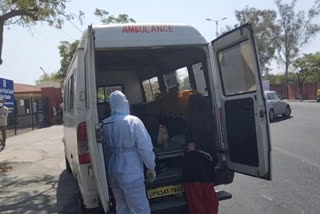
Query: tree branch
(20, 12)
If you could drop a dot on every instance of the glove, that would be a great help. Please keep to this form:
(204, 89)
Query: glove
(151, 175)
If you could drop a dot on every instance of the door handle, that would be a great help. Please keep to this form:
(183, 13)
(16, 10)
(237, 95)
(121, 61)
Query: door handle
(71, 156)
(261, 114)
(99, 137)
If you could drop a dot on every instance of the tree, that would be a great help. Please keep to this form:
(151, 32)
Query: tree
(307, 69)
(47, 77)
(106, 18)
(67, 49)
(296, 30)
(27, 13)
(265, 29)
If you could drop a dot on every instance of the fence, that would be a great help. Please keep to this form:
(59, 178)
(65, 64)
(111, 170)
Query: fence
(308, 93)
(34, 116)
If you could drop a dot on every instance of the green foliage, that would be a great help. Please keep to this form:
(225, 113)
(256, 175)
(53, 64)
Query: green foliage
(27, 13)
(184, 84)
(66, 51)
(296, 30)
(106, 18)
(265, 29)
(307, 68)
(280, 79)
(48, 77)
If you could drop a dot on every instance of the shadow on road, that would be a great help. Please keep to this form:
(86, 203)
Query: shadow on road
(279, 119)
(18, 195)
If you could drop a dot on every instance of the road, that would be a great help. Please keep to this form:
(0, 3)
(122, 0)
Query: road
(33, 179)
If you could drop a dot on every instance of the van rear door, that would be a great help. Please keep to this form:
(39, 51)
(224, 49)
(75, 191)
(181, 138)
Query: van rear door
(96, 152)
(244, 114)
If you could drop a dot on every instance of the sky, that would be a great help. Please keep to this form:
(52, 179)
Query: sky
(25, 50)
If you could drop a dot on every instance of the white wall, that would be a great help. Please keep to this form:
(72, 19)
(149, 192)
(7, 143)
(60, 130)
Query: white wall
(128, 79)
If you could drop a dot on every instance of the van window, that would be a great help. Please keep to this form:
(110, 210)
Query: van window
(170, 80)
(270, 96)
(183, 79)
(151, 88)
(237, 69)
(65, 98)
(67, 95)
(105, 91)
(200, 79)
(277, 96)
(86, 81)
(71, 91)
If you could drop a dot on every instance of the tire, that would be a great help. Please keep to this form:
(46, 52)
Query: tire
(288, 112)
(271, 115)
(68, 168)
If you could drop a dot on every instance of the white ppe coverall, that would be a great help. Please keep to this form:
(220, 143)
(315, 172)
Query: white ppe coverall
(129, 147)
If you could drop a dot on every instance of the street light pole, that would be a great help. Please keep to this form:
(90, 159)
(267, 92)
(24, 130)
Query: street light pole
(217, 24)
(45, 73)
(217, 29)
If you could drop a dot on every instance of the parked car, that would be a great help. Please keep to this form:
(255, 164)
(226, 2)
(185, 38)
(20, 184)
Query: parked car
(318, 95)
(276, 105)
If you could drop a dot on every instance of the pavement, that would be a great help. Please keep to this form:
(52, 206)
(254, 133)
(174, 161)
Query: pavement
(33, 177)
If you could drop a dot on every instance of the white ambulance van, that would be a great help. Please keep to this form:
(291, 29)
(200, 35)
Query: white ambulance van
(160, 67)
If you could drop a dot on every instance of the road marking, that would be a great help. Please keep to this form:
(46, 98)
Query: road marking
(296, 157)
(266, 197)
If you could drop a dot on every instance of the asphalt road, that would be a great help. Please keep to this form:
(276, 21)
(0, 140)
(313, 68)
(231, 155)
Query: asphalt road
(33, 179)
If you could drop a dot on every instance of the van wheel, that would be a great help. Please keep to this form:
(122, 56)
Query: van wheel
(271, 115)
(68, 168)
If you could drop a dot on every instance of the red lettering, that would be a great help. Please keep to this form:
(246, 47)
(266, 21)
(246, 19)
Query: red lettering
(124, 30)
(131, 29)
(153, 29)
(159, 29)
(145, 29)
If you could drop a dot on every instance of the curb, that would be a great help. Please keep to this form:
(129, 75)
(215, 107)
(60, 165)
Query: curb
(304, 101)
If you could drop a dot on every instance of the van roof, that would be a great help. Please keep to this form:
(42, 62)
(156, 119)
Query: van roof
(144, 35)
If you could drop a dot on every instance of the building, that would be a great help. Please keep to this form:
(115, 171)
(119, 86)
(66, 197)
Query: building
(43, 102)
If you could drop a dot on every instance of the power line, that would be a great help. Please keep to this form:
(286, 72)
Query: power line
(67, 34)
(75, 26)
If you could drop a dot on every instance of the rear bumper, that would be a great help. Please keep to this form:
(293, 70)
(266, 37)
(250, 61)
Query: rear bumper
(175, 204)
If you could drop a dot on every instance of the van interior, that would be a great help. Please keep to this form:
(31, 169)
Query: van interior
(160, 84)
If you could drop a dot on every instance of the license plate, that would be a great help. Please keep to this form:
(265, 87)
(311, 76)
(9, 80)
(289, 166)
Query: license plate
(164, 191)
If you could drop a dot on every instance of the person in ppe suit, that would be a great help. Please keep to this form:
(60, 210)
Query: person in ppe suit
(129, 146)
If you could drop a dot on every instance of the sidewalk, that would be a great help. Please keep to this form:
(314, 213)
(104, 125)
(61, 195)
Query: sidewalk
(305, 101)
(32, 174)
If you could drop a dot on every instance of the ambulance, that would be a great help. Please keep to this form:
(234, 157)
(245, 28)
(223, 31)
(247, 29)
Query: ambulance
(160, 67)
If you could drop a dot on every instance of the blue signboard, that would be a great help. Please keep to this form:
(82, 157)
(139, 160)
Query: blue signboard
(7, 92)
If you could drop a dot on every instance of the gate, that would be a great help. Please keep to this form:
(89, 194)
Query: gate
(36, 115)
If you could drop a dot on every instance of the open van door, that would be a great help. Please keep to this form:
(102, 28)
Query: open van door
(244, 114)
(95, 148)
